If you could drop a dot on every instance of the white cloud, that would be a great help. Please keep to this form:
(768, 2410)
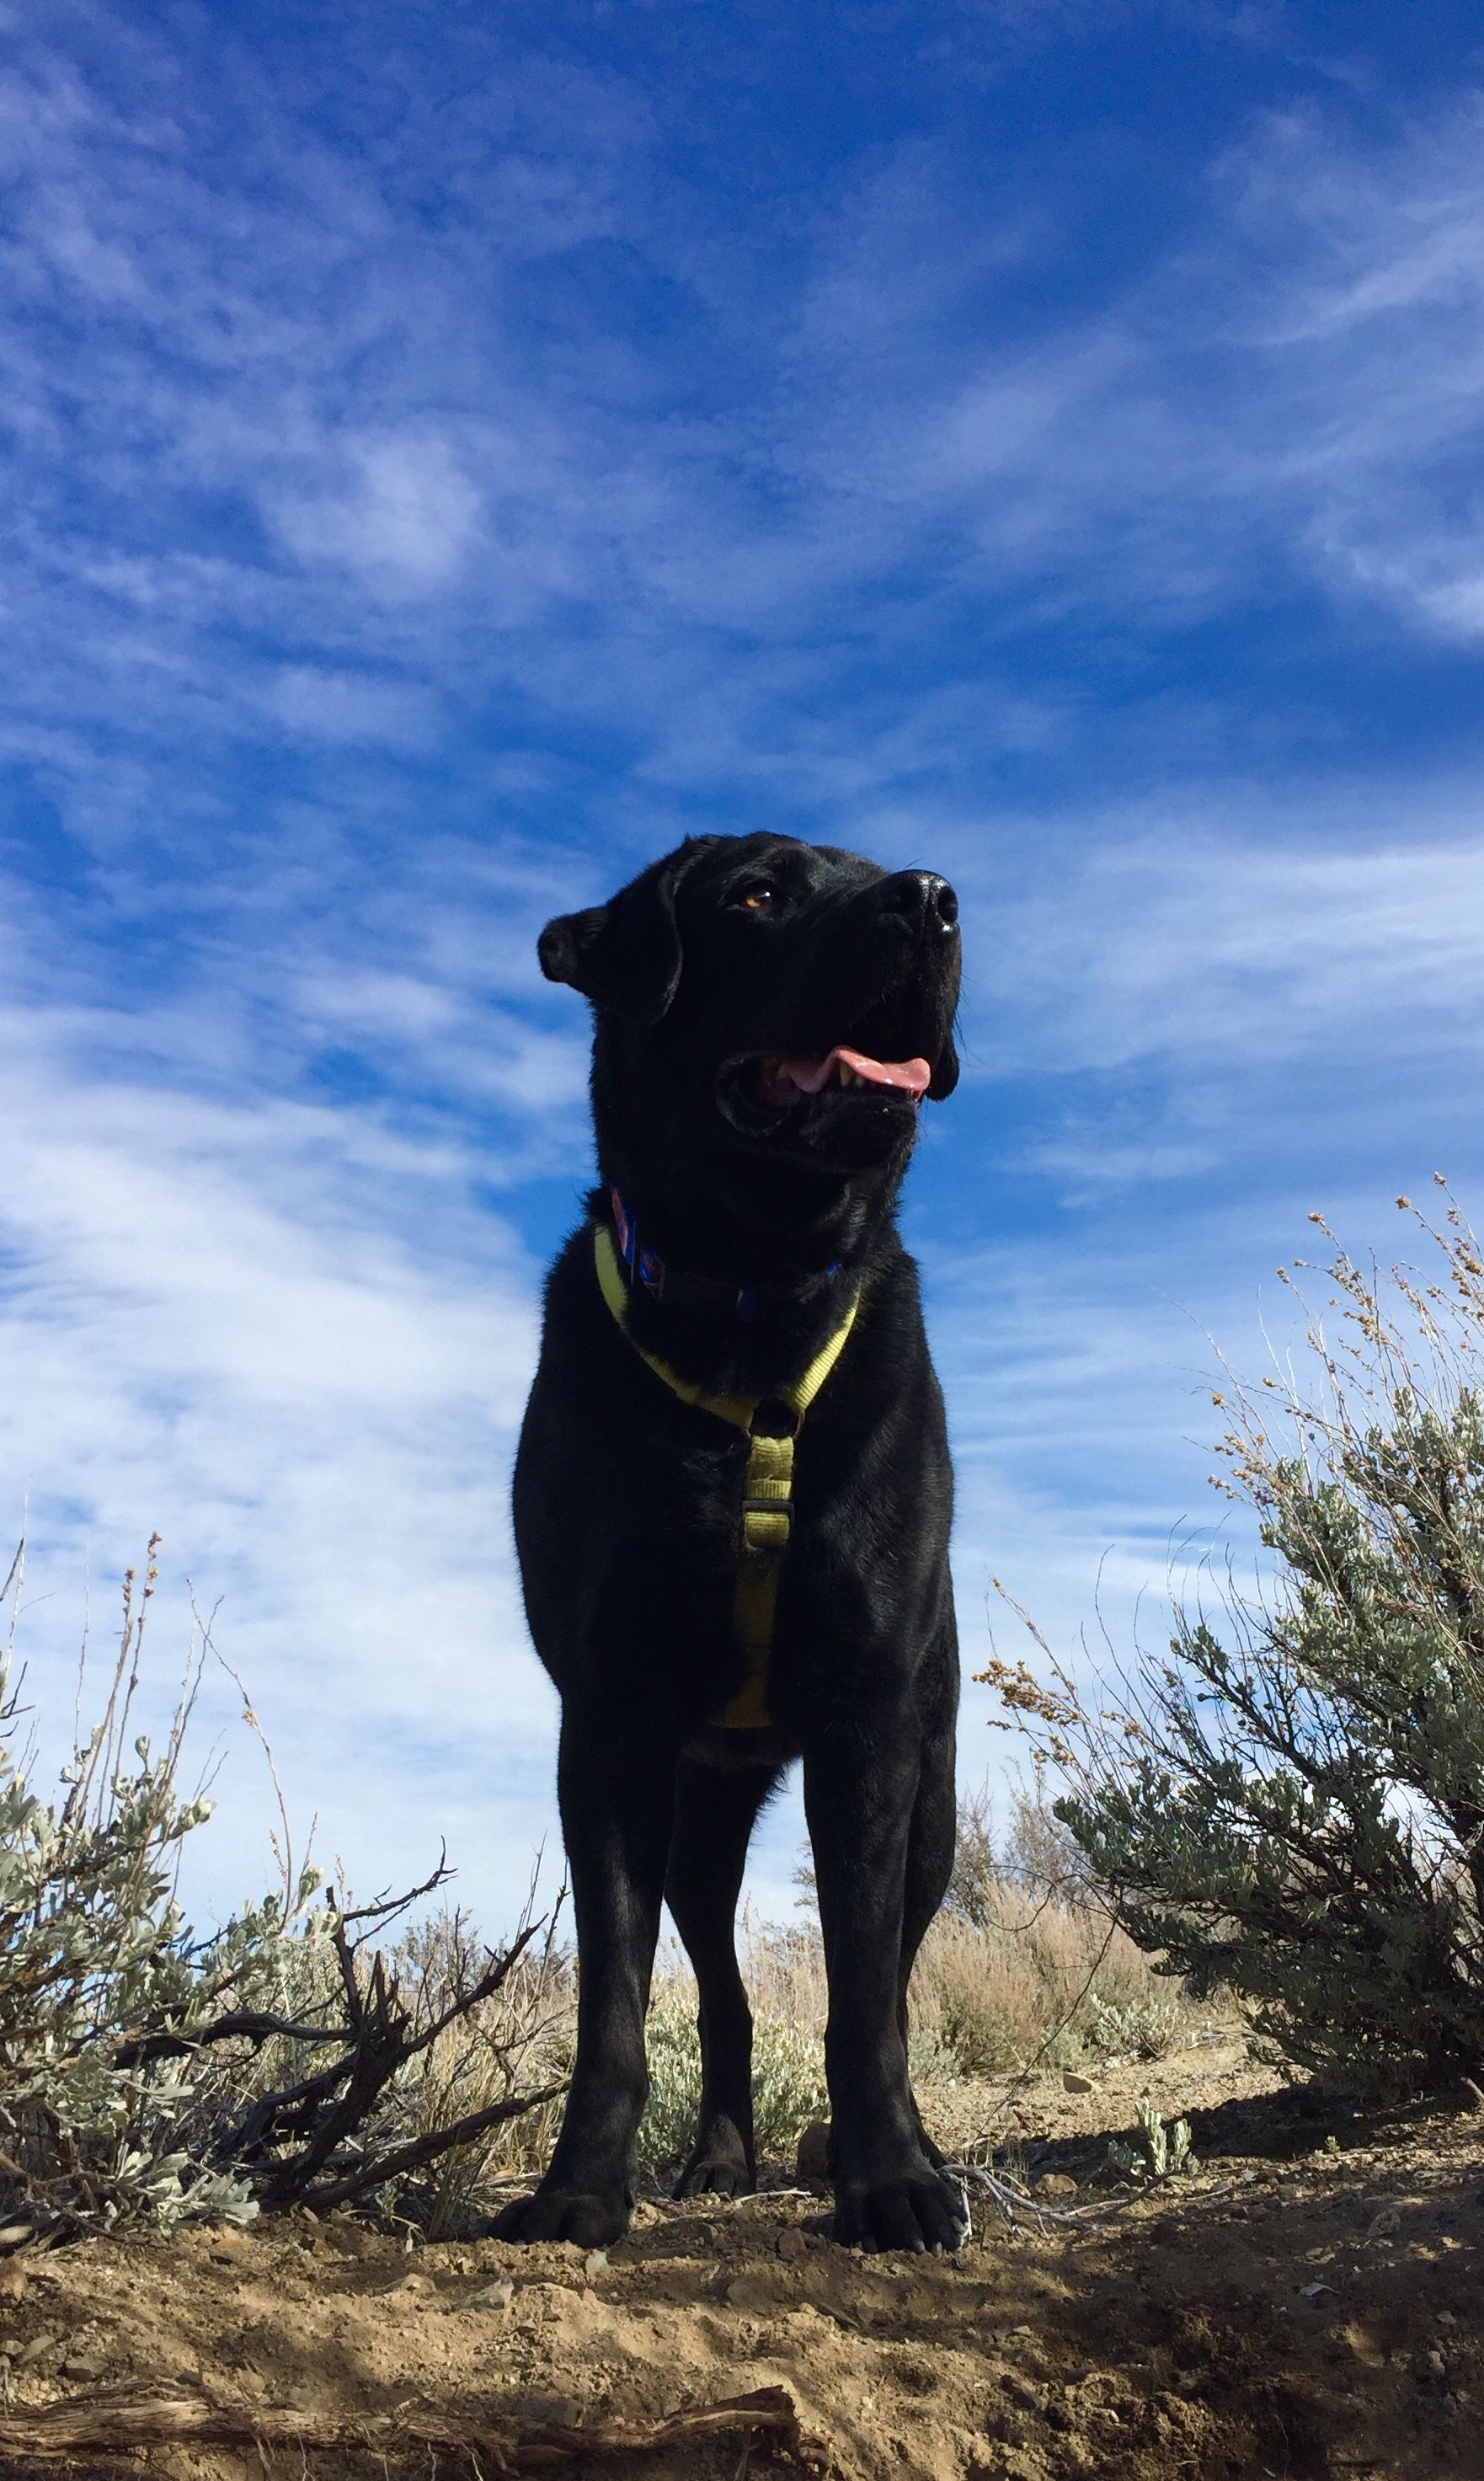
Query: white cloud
(404, 520)
(1347, 926)
(355, 707)
(210, 1328)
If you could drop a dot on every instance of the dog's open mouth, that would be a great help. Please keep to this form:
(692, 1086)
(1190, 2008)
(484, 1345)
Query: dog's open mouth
(760, 1091)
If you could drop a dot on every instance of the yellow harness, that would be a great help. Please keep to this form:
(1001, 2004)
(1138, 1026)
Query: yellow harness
(768, 1490)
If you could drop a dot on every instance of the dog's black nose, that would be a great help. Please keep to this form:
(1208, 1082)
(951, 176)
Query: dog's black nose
(924, 893)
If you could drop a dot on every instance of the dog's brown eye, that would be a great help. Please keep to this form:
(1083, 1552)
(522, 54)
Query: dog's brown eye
(756, 900)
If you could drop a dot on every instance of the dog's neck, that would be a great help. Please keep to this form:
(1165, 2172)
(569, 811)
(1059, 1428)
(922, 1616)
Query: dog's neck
(674, 1286)
(690, 1317)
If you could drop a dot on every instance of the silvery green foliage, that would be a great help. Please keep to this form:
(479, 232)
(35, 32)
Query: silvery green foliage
(788, 2082)
(1294, 1805)
(94, 1954)
(1142, 2028)
(1163, 2151)
(95, 1957)
(145, 2074)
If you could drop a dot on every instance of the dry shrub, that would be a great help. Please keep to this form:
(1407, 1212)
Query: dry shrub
(297, 2054)
(1038, 1977)
(520, 2040)
(784, 1970)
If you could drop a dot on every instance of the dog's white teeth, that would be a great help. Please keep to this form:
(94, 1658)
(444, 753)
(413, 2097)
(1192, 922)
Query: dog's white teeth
(845, 1075)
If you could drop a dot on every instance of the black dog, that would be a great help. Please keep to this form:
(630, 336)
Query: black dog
(712, 1601)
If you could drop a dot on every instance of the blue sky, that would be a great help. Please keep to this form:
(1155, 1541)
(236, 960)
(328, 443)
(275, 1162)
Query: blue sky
(455, 450)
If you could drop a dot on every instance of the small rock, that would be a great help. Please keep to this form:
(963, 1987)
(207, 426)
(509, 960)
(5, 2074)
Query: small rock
(1056, 2183)
(594, 2261)
(811, 2164)
(550, 2411)
(1389, 2219)
(792, 2243)
(189, 2378)
(1071, 2083)
(495, 2297)
(1165, 2232)
(85, 2367)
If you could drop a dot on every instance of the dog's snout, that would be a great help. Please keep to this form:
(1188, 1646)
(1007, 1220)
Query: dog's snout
(923, 893)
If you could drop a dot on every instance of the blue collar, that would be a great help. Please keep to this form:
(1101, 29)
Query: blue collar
(646, 1271)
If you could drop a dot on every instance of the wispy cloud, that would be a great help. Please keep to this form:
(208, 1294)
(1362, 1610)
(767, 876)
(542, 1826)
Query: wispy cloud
(210, 1328)
(342, 383)
(1181, 941)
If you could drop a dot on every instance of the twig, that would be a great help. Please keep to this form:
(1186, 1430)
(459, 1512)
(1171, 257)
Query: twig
(241, 2024)
(377, 2169)
(1013, 2202)
(291, 1877)
(384, 1908)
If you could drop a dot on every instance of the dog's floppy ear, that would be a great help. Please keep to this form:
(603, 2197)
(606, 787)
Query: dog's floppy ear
(625, 955)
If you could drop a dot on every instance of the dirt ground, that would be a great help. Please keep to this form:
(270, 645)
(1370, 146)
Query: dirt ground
(1309, 2303)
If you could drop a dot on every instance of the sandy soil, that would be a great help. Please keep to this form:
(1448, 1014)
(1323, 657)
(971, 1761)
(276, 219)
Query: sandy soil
(1311, 2303)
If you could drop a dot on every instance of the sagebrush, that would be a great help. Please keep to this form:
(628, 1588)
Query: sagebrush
(1293, 1803)
(293, 2053)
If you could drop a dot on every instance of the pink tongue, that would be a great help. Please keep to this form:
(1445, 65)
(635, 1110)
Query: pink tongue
(811, 1076)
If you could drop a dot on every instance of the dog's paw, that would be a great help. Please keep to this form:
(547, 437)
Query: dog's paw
(712, 2173)
(589, 2217)
(917, 2212)
(718, 2164)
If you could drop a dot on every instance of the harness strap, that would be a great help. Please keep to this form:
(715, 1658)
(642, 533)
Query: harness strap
(767, 1486)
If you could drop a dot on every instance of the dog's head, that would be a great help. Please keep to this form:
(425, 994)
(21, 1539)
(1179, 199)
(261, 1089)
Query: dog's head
(769, 1014)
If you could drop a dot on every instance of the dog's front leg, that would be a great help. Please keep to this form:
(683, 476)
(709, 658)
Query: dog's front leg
(859, 1784)
(617, 1803)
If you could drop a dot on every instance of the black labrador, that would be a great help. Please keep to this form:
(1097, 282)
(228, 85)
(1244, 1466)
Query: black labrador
(717, 1582)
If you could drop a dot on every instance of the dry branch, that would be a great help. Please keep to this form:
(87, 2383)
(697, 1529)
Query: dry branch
(126, 2419)
(377, 2169)
(239, 2024)
(327, 2111)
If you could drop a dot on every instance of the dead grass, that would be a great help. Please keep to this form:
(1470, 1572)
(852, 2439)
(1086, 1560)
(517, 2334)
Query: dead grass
(1040, 1978)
